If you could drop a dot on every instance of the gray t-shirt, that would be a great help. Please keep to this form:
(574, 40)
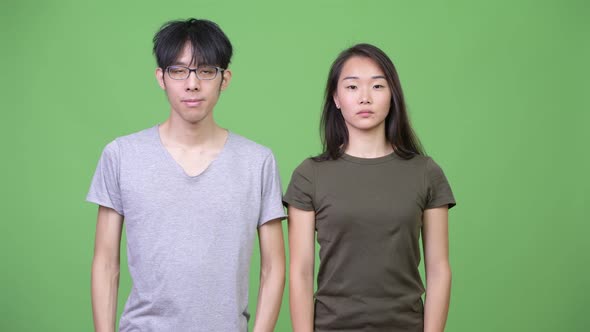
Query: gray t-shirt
(189, 238)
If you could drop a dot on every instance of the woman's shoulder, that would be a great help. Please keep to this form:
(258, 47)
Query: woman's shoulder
(420, 160)
(428, 166)
(306, 166)
(312, 165)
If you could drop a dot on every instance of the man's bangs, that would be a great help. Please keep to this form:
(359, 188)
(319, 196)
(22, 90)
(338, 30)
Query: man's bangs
(204, 53)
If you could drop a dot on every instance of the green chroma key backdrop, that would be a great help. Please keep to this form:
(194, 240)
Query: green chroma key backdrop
(497, 92)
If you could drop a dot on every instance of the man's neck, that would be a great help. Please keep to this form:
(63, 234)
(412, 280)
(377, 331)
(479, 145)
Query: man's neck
(191, 135)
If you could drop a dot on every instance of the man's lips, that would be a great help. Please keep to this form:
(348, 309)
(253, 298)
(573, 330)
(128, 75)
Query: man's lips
(191, 102)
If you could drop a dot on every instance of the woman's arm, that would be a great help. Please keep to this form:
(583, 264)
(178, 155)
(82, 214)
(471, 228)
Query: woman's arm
(105, 269)
(435, 236)
(272, 275)
(301, 266)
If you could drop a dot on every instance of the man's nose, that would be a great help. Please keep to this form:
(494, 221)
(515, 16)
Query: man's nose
(192, 82)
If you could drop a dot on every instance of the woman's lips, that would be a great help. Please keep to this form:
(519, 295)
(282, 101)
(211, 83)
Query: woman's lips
(364, 113)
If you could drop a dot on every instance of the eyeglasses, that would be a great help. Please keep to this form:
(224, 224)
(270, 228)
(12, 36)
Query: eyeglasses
(202, 72)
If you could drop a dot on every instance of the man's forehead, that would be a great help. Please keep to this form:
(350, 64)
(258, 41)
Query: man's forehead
(188, 56)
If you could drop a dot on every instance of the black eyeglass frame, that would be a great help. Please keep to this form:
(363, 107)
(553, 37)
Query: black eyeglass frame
(217, 71)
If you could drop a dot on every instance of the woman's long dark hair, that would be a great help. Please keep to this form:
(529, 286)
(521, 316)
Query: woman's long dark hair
(398, 131)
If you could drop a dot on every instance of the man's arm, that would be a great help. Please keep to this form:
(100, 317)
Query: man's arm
(272, 275)
(105, 269)
(301, 266)
(435, 236)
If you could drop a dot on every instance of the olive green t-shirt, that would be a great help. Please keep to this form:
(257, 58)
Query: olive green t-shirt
(368, 222)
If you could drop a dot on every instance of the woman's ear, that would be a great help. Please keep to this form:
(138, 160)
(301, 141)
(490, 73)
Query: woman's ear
(336, 101)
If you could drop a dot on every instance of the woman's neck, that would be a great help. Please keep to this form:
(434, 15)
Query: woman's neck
(368, 143)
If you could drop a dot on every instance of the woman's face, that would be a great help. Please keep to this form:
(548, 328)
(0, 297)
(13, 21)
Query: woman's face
(362, 95)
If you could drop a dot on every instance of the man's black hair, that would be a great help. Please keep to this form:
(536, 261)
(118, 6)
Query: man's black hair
(209, 44)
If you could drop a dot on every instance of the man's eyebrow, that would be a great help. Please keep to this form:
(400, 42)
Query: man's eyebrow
(178, 63)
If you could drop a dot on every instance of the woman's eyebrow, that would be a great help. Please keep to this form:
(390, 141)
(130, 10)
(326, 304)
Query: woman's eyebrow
(356, 77)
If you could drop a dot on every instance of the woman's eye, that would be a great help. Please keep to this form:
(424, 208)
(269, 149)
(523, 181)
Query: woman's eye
(379, 86)
(351, 87)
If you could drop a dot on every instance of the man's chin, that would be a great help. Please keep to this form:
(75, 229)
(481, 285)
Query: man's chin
(194, 118)
(191, 115)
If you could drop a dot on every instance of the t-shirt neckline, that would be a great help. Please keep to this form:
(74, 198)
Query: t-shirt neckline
(370, 161)
(166, 154)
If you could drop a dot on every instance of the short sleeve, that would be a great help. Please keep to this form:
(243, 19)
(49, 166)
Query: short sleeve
(105, 188)
(300, 191)
(271, 207)
(438, 190)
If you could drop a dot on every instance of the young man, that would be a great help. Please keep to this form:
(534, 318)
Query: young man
(192, 196)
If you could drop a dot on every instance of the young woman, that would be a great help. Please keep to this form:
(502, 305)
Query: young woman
(369, 196)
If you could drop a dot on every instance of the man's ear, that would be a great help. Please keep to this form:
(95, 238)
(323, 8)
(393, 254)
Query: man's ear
(160, 78)
(225, 79)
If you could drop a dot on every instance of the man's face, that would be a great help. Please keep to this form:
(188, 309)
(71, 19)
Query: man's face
(192, 100)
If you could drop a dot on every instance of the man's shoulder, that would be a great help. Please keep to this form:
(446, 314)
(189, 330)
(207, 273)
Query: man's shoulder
(140, 142)
(248, 147)
(138, 137)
